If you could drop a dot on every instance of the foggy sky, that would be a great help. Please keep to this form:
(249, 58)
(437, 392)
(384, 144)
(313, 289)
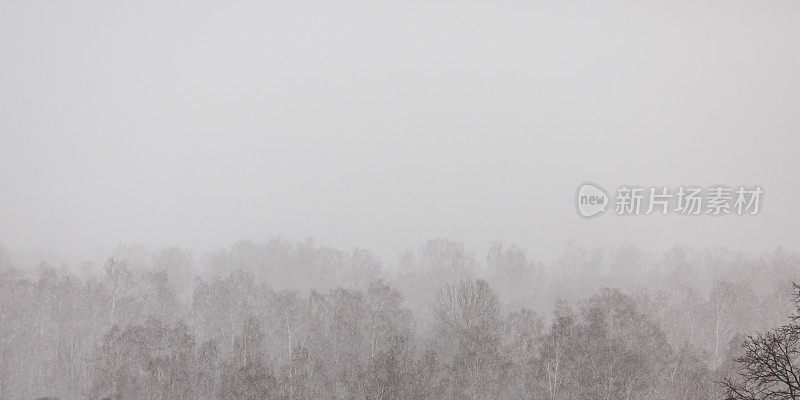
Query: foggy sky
(383, 124)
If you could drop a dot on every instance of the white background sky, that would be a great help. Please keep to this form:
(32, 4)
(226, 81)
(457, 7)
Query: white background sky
(382, 124)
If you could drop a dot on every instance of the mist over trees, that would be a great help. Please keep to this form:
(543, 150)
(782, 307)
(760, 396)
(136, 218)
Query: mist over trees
(284, 320)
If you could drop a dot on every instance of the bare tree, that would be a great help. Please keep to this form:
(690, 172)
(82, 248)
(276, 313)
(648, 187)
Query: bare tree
(469, 328)
(770, 364)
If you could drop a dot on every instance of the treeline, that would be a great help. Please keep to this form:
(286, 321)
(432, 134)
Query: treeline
(285, 320)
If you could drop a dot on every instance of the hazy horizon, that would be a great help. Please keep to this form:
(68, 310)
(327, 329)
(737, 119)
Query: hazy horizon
(383, 126)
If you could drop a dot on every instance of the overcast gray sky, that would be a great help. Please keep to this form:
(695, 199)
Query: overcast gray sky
(382, 124)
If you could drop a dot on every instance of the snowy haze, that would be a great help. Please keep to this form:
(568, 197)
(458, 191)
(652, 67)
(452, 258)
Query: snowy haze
(379, 125)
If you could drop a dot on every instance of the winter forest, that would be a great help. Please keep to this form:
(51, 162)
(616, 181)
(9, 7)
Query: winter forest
(284, 320)
(399, 200)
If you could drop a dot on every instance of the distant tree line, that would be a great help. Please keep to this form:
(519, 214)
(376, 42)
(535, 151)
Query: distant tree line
(285, 320)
